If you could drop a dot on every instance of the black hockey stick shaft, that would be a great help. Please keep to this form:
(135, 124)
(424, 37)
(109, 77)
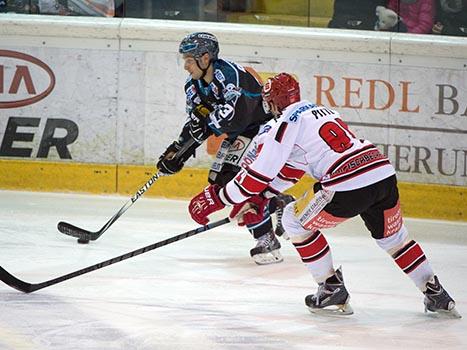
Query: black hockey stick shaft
(74, 231)
(26, 287)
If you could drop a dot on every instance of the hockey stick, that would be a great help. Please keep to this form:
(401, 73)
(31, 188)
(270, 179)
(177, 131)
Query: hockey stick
(84, 236)
(26, 287)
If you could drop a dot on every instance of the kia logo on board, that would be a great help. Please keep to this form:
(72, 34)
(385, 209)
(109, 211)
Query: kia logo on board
(24, 79)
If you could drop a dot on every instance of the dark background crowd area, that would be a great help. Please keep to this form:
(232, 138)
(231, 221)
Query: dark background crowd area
(441, 17)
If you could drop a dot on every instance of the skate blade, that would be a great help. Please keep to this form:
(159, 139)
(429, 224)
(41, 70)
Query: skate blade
(273, 257)
(334, 310)
(453, 313)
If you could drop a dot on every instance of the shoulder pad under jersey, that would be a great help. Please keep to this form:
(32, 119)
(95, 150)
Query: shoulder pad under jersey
(293, 114)
(225, 72)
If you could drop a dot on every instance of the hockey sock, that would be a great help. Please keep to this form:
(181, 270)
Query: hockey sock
(412, 260)
(261, 228)
(273, 203)
(316, 255)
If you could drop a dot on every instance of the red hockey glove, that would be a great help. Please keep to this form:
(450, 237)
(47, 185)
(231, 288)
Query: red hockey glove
(250, 211)
(204, 204)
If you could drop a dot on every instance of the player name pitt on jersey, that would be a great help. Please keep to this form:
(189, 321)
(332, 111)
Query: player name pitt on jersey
(310, 139)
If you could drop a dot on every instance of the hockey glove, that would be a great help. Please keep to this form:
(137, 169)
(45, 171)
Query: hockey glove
(204, 204)
(199, 129)
(250, 211)
(168, 164)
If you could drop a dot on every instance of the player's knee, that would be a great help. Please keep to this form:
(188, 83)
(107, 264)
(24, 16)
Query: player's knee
(394, 242)
(292, 225)
(288, 218)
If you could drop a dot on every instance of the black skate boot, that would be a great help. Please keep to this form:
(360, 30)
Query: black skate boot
(438, 300)
(281, 201)
(267, 250)
(331, 298)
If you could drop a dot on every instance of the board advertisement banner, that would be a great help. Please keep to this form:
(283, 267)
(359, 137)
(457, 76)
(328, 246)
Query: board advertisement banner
(85, 100)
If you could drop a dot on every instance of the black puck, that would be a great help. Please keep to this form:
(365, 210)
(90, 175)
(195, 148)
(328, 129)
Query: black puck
(83, 241)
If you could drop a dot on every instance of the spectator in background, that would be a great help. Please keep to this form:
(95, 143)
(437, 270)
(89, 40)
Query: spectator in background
(104, 8)
(389, 21)
(355, 14)
(53, 7)
(418, 15)
(451, 17)
(218, 10)
(17, 6)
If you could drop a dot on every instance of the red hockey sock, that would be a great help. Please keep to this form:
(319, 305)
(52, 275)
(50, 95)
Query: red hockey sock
(316, 255)
(412, 260)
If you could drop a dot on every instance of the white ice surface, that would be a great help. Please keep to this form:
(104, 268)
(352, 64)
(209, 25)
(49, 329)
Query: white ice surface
(205, 292)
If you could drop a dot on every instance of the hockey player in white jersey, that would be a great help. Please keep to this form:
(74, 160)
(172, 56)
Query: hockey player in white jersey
(354, 178)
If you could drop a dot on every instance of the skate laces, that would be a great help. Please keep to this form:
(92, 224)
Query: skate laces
(326, 290)
(279, 213)
(321, 293)
(282, 202)
(433, 289)
(331, 286)
(265, 240)
(436, 297)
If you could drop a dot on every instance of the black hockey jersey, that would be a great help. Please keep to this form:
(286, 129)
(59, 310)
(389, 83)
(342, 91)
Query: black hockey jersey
(234, 96)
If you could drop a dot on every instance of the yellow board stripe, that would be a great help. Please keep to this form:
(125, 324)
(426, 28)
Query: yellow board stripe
(417, 200)
(183, 185)
(10, 339)
(55, 176)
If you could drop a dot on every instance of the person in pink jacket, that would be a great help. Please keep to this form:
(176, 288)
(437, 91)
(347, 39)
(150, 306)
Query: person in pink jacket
(418, 15)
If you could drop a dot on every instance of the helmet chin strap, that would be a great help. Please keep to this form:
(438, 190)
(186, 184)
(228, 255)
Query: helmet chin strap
(274, 110)
(204, 70)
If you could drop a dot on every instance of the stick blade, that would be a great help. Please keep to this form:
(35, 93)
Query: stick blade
(74, 231)
(14, 282)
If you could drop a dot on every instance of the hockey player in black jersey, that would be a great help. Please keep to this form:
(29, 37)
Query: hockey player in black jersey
(222, 97)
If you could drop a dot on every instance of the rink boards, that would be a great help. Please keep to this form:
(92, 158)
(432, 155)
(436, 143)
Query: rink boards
(418, 200)
(88, 104)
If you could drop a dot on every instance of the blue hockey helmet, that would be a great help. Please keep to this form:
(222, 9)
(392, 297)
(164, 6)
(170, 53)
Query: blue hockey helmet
(198, 43)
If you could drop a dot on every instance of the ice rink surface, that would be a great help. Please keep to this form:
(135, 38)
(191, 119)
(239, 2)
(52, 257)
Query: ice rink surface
(205, 292)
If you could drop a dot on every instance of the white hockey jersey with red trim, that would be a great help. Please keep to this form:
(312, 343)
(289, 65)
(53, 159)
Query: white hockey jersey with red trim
(308, 139)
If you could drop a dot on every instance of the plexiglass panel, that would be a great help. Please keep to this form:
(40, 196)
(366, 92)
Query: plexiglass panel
(442, 17)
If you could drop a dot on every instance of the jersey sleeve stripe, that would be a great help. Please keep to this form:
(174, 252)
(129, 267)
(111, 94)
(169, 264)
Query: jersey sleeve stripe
(280, 132)
(225, 197)
(283, 178)
(251, 184)
(289, 173)
(258, 176)
(243, 191)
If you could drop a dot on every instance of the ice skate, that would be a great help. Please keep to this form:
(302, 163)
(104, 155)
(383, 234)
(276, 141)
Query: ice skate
(331, 298)
(282, 201)
(266, 250)
(438, 301)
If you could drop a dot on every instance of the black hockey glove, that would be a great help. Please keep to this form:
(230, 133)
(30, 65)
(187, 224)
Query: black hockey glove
(199, 129)
(168, 163)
